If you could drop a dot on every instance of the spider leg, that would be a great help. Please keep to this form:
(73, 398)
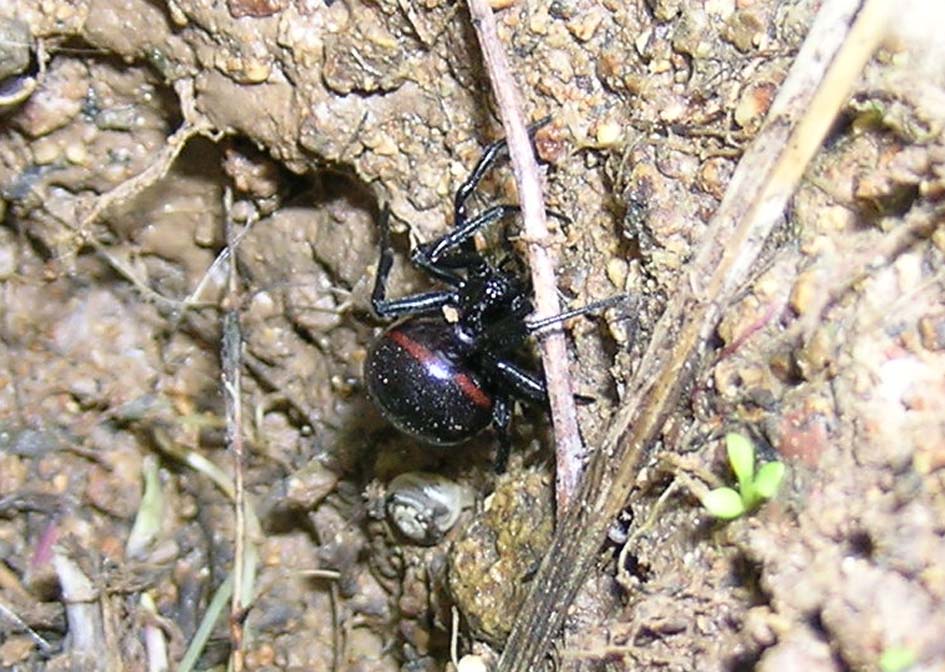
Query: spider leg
(416, 304)
(521, 382)
(497, 150)
(502, 420)
(529, 385)
(449, 251)
(537, 325)
(428, 302)
(526, 385)
(430, 254)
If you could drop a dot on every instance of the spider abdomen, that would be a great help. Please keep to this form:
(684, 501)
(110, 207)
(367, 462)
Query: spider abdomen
(423, 384)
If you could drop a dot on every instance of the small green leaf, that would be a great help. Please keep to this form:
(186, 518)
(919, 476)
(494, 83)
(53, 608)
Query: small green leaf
(741, 455)
(897, 659)
(723, 503)
(768, 479)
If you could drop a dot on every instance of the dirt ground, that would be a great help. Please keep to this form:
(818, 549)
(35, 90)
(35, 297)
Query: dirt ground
(126, 124)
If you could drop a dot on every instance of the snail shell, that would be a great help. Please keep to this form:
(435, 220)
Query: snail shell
(424, 507)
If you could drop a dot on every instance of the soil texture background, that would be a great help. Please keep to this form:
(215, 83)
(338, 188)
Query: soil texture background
(132, 131)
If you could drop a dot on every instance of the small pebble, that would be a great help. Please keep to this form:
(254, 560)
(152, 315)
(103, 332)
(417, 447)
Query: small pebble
(585, 25)
(45, 151)
(804, 293)
(932, 332)
(76, 154)
(617, 272)
(607, 134)
(472, 663)
(754, 104)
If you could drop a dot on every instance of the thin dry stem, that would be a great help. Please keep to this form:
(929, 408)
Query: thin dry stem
(8, 614)
(83, 611)
(569, 449)
(231, 375)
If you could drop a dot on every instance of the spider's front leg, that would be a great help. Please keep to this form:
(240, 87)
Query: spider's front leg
(455, 249)
(497, 150)
(450, 251)
(416, 304)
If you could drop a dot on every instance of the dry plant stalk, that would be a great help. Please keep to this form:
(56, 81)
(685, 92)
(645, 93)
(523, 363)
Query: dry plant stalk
(839, 44)
(569, 449)
(230, 349)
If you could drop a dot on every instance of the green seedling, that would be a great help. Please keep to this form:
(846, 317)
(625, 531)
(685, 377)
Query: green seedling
(753, 488)
(897, 659)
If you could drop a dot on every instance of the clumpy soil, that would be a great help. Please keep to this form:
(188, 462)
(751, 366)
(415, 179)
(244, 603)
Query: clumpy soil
(131, 130)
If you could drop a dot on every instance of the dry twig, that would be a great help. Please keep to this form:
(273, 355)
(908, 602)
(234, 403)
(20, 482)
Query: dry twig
(569, 449)
(87, 640)
(839, 44)
(7, 613)
(231, 347)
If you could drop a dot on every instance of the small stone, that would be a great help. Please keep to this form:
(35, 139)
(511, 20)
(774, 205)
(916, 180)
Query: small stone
(559, 61)
(754, 104)
(617, 272)
(932, 331)
(17, 648)
(76, 154)
(262, 656)
(660, 65)
(721, 8)
(742, 30)
(64, 12)
(805, 292)
(607, 134)
(7, 262)
(501, 4)
(60, 483)
(938, 238)
(450, 314)
(585, 25)
(14, 472)
(381, 143)
(539, 22)
(642, 42)
(713, 176)
(472, 663)
(308, 486)
(254, 8)
(802, 433)
(818, 353)
(674, 111)
(45, 151)
(256, 71)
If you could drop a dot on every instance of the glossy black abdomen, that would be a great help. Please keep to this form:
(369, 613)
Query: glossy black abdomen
(422, 385)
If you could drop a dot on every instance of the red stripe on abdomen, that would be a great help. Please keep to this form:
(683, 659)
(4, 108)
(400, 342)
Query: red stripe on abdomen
(426, 356)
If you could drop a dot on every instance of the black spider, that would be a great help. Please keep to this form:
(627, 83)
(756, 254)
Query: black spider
(444, 374)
